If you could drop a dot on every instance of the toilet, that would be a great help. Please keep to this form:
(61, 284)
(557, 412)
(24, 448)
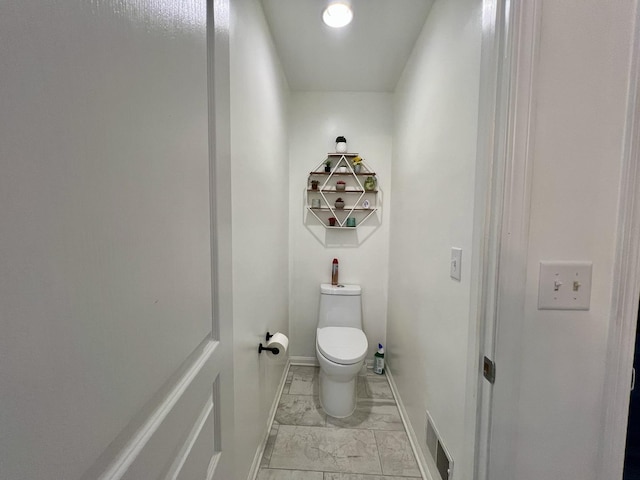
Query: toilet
(341, 347)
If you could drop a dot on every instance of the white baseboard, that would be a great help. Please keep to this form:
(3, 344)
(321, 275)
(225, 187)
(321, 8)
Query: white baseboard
(255, 465)
(313, 362)
(413, 438)
(304, 361)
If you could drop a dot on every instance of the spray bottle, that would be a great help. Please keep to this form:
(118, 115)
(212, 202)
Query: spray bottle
(378, 360)
(334, 272)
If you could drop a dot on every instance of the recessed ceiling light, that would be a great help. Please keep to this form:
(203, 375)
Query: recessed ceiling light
(337, 14)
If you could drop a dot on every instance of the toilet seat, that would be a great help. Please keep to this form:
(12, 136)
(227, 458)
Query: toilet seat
(342, 345)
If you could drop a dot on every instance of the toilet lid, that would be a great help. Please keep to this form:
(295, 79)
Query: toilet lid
(343, 345)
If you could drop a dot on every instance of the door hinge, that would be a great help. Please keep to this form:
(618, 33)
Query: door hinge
(489, 370)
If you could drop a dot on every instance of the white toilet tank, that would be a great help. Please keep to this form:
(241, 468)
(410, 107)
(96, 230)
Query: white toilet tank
(340, 306)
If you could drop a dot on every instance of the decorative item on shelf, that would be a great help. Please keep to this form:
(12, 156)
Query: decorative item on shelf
(340, 185)
(342, 169)
(366, 204)
(315, 203)
(370, 184)
(357, 164)
(341, 145)
(327, 165)
(351, 222)
(332, 222)
(339, 204)
(314, 184)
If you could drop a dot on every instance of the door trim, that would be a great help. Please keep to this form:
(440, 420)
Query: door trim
(626, 286)
(494, 83)
(507, 227)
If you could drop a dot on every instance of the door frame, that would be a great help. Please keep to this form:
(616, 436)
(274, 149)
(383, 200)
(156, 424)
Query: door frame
(626, 286)
(504, 252)
(501, 296)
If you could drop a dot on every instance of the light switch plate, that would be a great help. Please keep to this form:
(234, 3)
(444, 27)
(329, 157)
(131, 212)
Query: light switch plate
(564, 285)
(456, 263)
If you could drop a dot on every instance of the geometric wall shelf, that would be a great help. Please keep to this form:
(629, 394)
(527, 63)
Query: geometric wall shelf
(356, 187)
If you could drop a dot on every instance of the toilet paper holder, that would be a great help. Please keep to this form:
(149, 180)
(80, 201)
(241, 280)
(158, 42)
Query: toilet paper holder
(274, 350)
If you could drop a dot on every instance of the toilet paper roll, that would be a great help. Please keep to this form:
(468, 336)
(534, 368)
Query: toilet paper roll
(279, 341)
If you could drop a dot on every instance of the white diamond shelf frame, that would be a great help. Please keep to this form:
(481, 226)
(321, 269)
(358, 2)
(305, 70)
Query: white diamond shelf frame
(343, 161)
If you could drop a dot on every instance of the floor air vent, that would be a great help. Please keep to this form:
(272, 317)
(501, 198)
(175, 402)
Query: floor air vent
(438, 452)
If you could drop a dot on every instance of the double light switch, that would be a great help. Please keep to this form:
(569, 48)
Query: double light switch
(564, 286)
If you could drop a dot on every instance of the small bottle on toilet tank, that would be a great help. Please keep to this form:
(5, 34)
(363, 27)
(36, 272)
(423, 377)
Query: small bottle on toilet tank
(334, 272)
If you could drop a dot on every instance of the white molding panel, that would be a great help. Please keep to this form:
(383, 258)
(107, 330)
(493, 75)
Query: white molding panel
(171, 438)
(190, 461)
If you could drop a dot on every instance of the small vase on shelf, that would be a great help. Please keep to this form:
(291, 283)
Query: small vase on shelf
(370, 184)
(357, 164)
(341, 145)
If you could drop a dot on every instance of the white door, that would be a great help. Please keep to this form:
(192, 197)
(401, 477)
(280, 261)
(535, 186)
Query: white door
(115, 309)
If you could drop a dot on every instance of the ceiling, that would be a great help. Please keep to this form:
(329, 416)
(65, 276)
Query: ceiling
(368, 55)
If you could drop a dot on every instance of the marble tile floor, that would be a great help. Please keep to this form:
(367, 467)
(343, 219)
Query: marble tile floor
(307, 444)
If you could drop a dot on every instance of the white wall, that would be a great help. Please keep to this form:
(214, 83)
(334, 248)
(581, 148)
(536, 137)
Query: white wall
(580, 91)
(436, 109)
(316, 119)
(105, 281)
(260, 177)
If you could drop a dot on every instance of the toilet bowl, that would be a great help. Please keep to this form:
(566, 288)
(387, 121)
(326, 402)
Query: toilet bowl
(341, 352)
(341, 347)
